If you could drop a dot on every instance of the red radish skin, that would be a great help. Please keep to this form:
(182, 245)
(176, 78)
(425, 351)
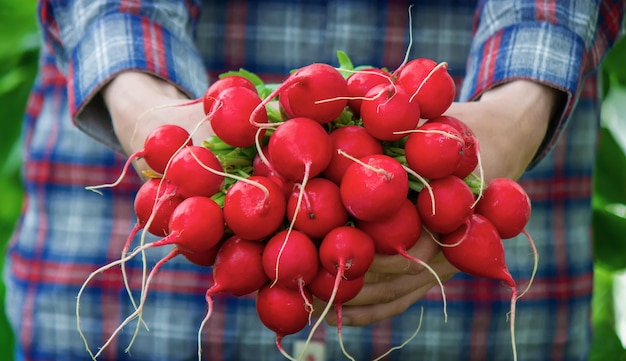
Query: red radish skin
(431, 85)
(298, 144)
(470, 150)
(400, 230)
(154, 203)
(323, 284)
(254, 209)
(284, 311)
(392, 112)
(260, 168)
(479, 252)
(353, 140)
(348, 250)
(230, 117)
(204, 259)
(374, 187)
(435, 150)
(453, 201)
(159, 147)
(396, 234)
(507, 205)
(187, 172)
(335, 291)
(222, 84)
(304, 93)
(346, 253)
(238, 270)
(360, 82)
(196, 225)
(321, 209)
(290, 259)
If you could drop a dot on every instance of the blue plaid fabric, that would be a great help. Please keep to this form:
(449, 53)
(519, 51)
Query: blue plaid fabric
(66, 232)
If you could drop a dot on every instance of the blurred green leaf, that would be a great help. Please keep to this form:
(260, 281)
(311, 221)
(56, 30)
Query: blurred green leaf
(608, 347)
(610, 176)
(614, 63)
(609, 233)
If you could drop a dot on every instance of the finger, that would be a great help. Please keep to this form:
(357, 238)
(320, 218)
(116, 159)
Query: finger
(400, 285)
(368, 314)
(424, 249)
(384, 292)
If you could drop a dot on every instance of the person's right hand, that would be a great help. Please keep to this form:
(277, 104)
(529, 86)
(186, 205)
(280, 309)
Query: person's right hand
(139, 102)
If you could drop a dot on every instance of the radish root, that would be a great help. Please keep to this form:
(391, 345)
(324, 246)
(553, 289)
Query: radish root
(417, 330)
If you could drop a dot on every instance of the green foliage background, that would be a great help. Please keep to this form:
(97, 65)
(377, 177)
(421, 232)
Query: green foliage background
(18, 65)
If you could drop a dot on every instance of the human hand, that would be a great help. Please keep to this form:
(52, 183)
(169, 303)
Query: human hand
(139, 102)
(510, 122)
(393, 283)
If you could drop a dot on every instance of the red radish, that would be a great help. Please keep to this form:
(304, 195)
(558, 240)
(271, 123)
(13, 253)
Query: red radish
(346, 253)
(321, 209)
(322, 287)
(203, 259)
(434, 150)
(469, 162)
(154, 203)
(396, 234)
(478, 251)
(449, 205)
(374, 187)
(360, 82)
(290, 259)
(260, 168)
(347, 250)
(306, 91)
(229, 273)
(159, 147)
(196, 225)
(430, 84)
(335, 291)
(254, 209)
(399, 231)
(283, 310)
(507, 205)
(230, 117)
(238, 270)
(222, 84)
(392, 112)
(297, 146)
(187, 171)
(353, 140)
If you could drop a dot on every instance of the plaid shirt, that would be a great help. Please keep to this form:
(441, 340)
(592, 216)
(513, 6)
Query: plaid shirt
(67, 232)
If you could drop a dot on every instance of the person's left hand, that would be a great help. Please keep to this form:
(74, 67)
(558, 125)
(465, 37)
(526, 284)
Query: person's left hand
(394, 283)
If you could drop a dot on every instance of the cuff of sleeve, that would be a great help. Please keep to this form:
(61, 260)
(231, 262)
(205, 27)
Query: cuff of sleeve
(541, 52)
(123, 42)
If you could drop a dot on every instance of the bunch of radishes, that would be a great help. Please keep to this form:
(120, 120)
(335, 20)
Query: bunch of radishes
(304, 182)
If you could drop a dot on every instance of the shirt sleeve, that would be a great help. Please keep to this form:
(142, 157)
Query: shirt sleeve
(93, 40)
(556, 43)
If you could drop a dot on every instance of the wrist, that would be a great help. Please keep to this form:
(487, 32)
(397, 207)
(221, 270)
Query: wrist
(128, 96)
(525, 111)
